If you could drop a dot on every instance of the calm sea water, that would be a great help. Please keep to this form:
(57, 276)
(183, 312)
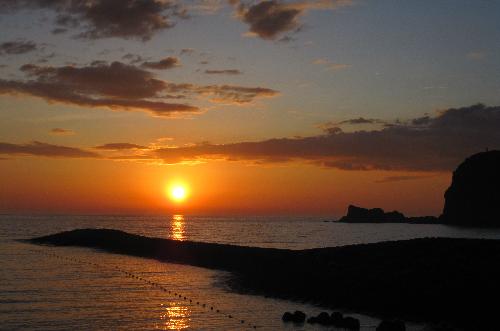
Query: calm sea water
(42, 292)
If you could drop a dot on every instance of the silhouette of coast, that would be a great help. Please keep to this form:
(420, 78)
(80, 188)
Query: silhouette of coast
(357, 214)
(431, 280)
(471, 200)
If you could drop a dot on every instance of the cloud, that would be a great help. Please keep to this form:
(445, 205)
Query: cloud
(361, 120)
(59, 30)
(97, 85)
(133, 58)
(46, 57)
(223, 72)
(115, 80)
(206, 7)
(119, 146)
(17, 47)
(269, 19)
(476, 56)
(122, 87)
(187, 51)
(232, 94)
(37, 148)
(337, 66)
(424, 120)
(331, 66)
(392, 179)
(166, 63)
(106, 18)
(440, 145)
(61, 132)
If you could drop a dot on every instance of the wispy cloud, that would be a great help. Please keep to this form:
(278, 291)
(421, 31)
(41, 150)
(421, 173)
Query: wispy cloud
(61, 132)
(119, 146)
(223, 72)
(476, 56)
(361, 120)
(187, 51)
(392, 179)
(17, 47)
(166, 63)
(331, 66)
(37, 148)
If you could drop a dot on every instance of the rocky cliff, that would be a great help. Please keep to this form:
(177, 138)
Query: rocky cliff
(473, 199)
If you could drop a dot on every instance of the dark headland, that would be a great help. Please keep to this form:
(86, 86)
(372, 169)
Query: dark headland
(431, 280)
(474, 194)
(473, 198)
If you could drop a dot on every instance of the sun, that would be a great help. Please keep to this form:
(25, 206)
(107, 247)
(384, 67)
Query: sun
(178, 193)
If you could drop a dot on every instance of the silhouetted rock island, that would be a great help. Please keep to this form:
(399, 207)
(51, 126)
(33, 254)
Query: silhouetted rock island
(378, 215)
(433, 279)
(473, 199)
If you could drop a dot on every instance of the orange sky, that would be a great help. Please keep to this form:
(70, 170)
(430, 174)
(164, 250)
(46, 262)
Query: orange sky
(100, 186)
(261, 107)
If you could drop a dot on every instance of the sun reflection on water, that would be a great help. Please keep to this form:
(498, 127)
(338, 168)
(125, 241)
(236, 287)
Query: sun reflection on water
(175, 317)
(177, 227)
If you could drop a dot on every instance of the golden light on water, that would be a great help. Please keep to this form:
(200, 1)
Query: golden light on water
(175, 318)
(177, 227)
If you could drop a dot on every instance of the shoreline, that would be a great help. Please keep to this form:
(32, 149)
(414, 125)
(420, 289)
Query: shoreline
(427, 280)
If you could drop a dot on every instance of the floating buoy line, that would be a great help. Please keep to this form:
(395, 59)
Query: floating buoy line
(147, 281)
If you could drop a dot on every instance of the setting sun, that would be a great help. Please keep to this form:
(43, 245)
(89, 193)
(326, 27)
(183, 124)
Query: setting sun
(215, 163)
(178, 193)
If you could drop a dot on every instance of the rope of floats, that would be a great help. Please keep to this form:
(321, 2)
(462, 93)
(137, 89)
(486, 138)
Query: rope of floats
(147, 281)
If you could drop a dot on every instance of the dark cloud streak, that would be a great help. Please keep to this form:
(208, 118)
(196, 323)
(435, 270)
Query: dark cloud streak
(119, 146)
(37, 148)
(17, 47)
(439, 146)
(61, 132)
(361, 120)
(392, 179)
(166, 63)
(223, 72)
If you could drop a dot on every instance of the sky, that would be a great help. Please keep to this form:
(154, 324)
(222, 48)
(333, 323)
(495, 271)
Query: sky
(256, 107)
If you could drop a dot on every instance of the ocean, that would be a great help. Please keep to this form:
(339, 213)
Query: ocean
(39, 291)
